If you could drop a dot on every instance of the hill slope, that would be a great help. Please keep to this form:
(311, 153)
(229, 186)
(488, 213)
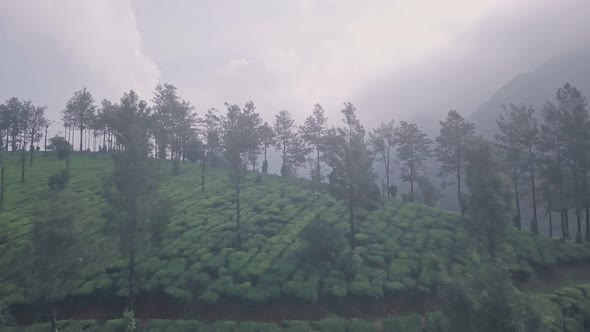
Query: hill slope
(535, 88)
(403, 249)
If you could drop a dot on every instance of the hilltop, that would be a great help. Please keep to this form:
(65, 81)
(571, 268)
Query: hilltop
(196, 269)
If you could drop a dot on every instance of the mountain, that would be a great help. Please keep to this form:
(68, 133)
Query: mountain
(536, 87)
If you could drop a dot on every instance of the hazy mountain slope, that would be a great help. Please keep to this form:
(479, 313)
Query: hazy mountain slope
(535, 88)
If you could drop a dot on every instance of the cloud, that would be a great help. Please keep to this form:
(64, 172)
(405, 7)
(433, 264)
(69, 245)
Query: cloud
(479, 58)
(97, 42)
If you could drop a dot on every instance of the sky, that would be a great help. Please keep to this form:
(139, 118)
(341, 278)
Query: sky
(411, 60)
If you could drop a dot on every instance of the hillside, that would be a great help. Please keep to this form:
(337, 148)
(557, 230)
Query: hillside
(197, 271)
(536, 87)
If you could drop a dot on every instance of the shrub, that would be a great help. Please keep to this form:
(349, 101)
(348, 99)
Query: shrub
(114, 325)
(359, 325)
(295, 326)
(59, 180)
(324, 242)
(402, 324)
(257, 327)
(224, 326)
(333, 324)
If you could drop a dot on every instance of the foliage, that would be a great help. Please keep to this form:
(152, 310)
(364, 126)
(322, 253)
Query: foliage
(413, 149)
(59, 180)
(484, 299)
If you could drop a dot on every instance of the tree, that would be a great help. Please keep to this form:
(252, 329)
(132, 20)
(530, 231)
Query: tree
(36, 122)
(312, 132)
(455, 134)
(528, 136)
(174, 121)
(27, 109)
(268, 138)
(240, 129)
(13, 117)
(572, 106)
(508, 143)
(552, 142)
(427, 193)
(489, 198)
(211, 137)
(254, 149)
(284, 127)
(62, 147)
(54, 261)
(5, 123)
(352, 177)
(133, 181)
(484, 299)
(79, 111)
(413, 150)
(383, 140)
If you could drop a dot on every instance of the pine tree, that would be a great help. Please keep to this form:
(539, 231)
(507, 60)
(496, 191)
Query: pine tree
(79, 111)
(507, 141)
(313, 132)
(268, 139)
(455, 134)
(574, 108)
(413, 150)
(383, 140)
(352, 177)
(489, 197)
(240, 128)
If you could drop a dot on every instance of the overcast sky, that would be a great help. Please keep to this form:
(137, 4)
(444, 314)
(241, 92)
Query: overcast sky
(394, 59)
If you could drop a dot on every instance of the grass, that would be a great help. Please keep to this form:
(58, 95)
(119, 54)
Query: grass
(401, 248)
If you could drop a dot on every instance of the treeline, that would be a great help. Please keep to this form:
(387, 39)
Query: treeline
(545, 153)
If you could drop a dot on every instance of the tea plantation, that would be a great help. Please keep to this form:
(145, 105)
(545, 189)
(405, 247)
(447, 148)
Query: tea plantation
(402, 248)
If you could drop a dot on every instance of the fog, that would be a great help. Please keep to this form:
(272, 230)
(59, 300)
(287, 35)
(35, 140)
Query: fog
(401, 59)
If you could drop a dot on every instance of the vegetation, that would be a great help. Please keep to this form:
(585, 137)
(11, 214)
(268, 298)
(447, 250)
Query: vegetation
(258, 239)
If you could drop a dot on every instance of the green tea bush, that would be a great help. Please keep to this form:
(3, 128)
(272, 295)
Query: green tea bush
(333, 324)
(257, 327)
(294, 326)
(224, 326)
(114, 325)
(359, 325)
(402, 324)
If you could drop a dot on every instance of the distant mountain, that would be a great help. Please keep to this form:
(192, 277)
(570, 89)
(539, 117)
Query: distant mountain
(536, 87)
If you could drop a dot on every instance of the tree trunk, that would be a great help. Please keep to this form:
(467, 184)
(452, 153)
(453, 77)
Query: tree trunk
(459, 195)
(203, 172)
(81, 137)
(238, 221)
(131, 264)
(1, 186)
(566, 213)
(492, 246)
(22, 170)
(579, 225)
(587, 211)
(319, 170)
(53, 319)
(517, 219)
(32, 151)
(351, 220)
(45, 144)
(534, 225)
(550, 224)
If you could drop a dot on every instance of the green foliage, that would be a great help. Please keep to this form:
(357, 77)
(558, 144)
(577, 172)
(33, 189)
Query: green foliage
(400, 248)
(402, 324)
(294, 326)
(58, 181)
(359, 325)
(333, 324)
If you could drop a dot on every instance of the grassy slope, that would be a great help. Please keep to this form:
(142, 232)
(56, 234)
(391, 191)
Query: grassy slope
(404, 248)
